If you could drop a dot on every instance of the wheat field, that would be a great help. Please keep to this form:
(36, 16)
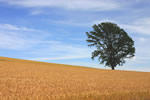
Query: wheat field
(30, 80)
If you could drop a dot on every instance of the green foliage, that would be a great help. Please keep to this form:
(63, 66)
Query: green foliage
(113, 44)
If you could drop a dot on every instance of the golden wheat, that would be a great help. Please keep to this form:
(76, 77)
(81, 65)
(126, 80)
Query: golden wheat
(29, 80)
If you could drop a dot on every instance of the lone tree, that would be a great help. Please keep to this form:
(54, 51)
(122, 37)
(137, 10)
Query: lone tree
(113, 44)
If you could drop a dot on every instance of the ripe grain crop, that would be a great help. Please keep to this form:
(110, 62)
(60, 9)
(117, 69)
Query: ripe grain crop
(30, 80)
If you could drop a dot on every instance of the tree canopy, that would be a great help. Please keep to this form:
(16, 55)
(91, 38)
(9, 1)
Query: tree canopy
(113, 44)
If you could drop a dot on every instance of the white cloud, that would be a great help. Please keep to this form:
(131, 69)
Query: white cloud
(140, 29)
(104, 20)
(142, 39)
(34, 43)
(62, 51)
(140, 26)
(61, 58)
(72, 23)
(82, 23)
(15, 28)
(12, 41)
(36, 12)
(17, 38)
(143, 21)
(95, 5)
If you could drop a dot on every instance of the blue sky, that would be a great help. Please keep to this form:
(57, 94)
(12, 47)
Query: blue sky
(54, 30)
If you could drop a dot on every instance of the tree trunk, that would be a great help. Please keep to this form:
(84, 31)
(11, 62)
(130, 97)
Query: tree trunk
(113, 68)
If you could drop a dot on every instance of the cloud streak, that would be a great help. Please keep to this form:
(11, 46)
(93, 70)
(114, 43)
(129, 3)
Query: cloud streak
(94, 5)
(62, 51)
(15, 28)
(140, 26)
(18, 38)
(27, 40)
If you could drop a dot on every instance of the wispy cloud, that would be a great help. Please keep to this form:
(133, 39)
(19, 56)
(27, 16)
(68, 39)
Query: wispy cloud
(69, 57)
(81, 23)
(34, 43)
(140, 26)
(62, 51)
(18, 38)
(95, 5)
(15, 28)
(37, 12)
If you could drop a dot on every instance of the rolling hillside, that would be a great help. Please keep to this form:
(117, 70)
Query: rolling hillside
(30, 80)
